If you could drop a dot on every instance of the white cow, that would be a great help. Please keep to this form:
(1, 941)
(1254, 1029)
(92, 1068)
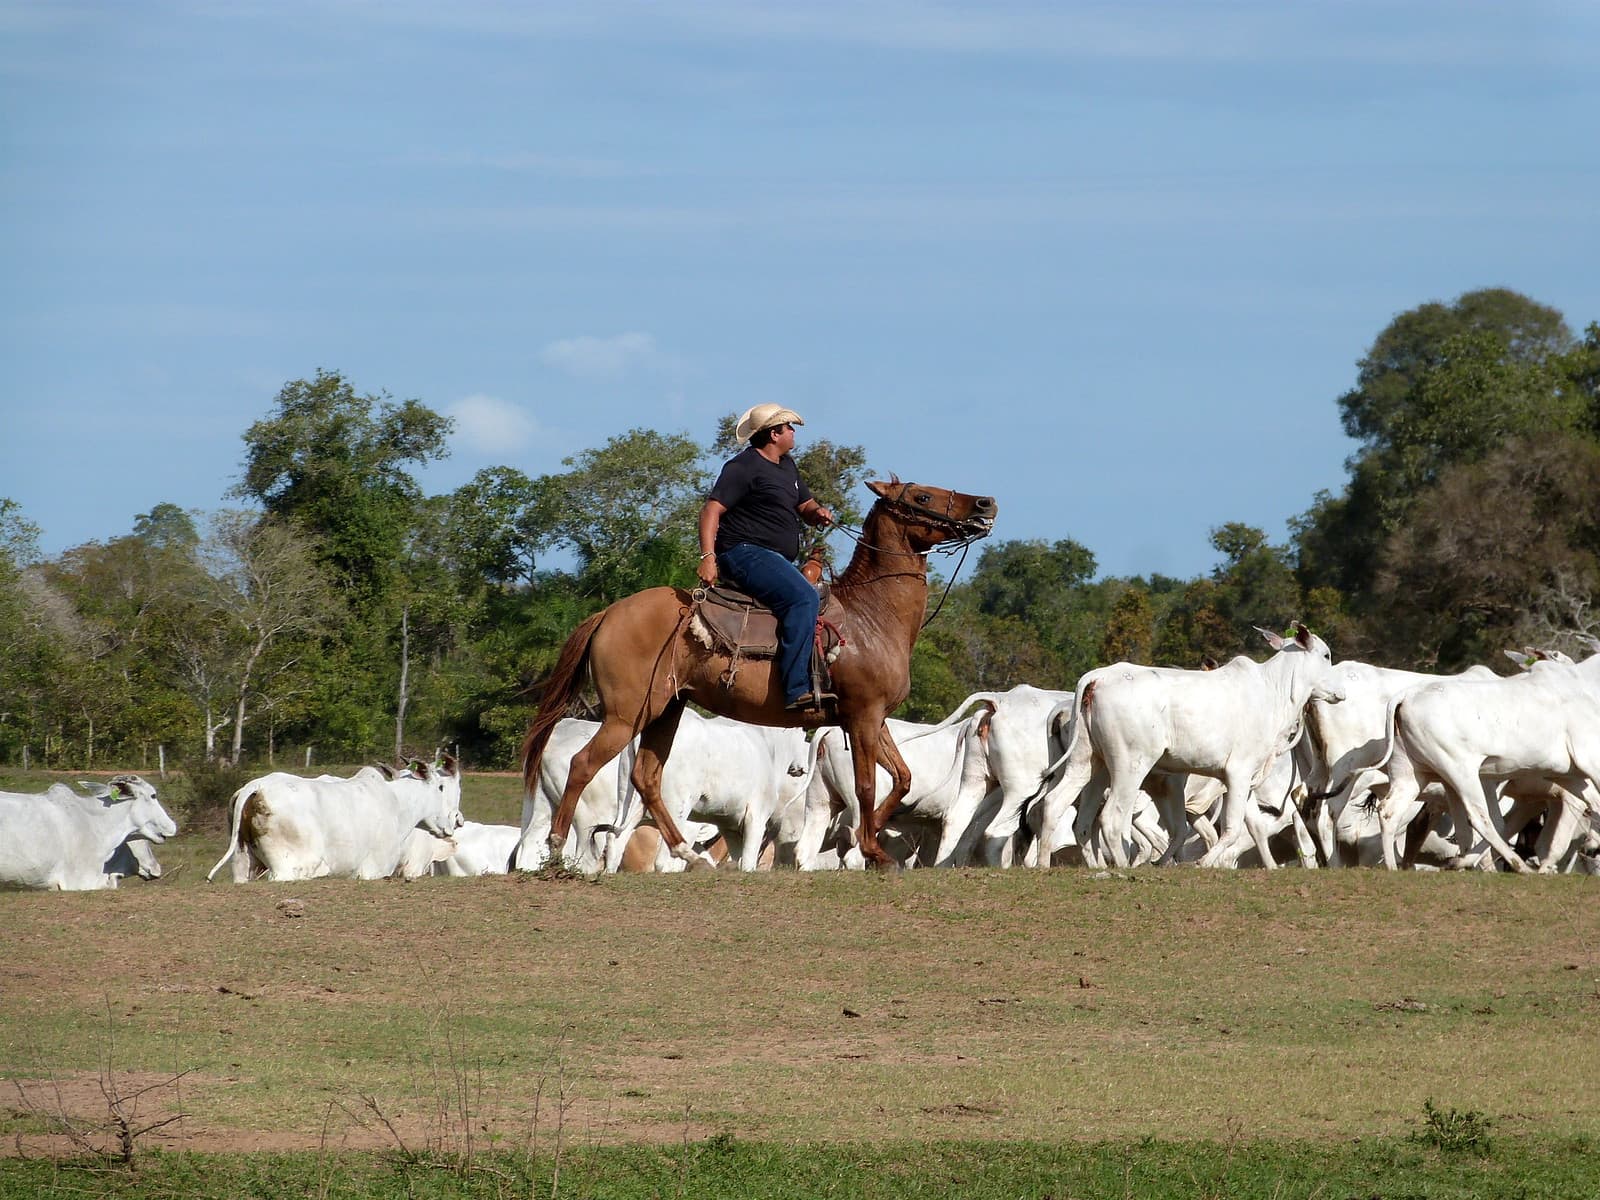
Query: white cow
(1350, 735)
(591, 842)
(481, 850)
(734, 776)
(473, 849)
(133, 857)
(1019, 748)
(1230, 723)
(421, 854)
(949, 779)
(300, 828)
(1273, 809)
(59, 839)
(1474, 735)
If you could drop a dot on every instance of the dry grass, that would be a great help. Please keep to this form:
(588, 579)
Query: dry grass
(965, 1004)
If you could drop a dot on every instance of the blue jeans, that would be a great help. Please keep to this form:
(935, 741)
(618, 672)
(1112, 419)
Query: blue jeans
(776, 582)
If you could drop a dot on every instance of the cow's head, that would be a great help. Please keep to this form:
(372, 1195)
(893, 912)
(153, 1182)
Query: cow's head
(1298, 639)
(150, 820)
(442, 778)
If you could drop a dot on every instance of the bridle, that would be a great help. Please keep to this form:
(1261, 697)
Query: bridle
(963, 532)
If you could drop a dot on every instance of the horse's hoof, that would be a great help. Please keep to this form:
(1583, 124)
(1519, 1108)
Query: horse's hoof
(692, 859)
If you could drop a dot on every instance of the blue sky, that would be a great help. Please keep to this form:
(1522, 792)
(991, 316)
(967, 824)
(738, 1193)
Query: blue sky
(1111, 263)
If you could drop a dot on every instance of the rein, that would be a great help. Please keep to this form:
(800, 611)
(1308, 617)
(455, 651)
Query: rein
(966, 536)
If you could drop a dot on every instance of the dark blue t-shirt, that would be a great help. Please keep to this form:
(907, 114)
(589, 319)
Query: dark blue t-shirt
(762, 498)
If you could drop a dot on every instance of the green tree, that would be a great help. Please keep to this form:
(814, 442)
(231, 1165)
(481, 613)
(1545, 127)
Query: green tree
(1486, 548)
(1196, 628)
(167, 527)
(628, 511)
(494, 525)
(1415, 344)
(26, 648)
(334, 464)
(1256, 583)
(1581, 367)
(269, 590)
(1130, 630)
(1044, 588)
(1441, 385)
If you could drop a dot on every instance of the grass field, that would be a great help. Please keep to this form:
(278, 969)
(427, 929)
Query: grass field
(732, 1023)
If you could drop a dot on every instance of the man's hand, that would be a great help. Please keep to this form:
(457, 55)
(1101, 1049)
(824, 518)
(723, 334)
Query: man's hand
(708, 570)
(816, 514)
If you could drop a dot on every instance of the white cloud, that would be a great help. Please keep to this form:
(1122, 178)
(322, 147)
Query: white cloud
(590, 357)
(489, 424)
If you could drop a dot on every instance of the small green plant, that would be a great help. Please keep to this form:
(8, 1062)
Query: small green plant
(1453, 1131)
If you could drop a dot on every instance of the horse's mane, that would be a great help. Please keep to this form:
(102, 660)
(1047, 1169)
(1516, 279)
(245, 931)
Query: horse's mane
(865, 565)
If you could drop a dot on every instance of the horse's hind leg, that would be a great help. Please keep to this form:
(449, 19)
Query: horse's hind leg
(655, 743)
(605, 745)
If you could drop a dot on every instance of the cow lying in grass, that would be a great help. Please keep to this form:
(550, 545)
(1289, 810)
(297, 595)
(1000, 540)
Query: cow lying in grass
(60, 839)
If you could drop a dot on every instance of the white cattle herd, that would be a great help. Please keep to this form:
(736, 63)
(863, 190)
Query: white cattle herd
(1296, 757)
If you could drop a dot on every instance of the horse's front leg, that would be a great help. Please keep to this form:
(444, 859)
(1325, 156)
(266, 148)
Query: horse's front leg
(890, 759)
(866, 744)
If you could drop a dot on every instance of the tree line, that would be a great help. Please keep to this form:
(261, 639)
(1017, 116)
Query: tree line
(337, 609)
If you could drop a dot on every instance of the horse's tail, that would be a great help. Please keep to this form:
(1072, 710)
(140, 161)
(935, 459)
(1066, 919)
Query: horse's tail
(556, 698)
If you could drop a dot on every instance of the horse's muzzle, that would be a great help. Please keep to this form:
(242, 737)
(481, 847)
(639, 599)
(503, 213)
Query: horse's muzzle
(981, 522)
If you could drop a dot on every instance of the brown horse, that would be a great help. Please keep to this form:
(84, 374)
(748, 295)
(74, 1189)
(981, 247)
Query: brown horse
(645, 664)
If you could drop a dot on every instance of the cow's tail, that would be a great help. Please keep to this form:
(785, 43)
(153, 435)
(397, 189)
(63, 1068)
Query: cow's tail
(957, 714)
(1391, 727)
(559, 689)
(1078, 709)
(235, 828)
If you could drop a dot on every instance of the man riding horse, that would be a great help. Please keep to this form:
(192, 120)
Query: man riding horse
(750, 532)
(642, 660)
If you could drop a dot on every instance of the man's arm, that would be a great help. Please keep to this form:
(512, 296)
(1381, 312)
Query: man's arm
(710, 520)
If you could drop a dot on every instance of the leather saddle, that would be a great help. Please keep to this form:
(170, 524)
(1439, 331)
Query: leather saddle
(735, 623)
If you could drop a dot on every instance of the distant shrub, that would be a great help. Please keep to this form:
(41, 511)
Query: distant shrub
(203, 790)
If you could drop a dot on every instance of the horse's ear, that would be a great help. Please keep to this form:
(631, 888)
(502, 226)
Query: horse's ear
(879, 488)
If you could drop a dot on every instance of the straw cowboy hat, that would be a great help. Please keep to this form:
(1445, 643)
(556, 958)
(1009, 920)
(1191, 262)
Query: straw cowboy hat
(764, 416)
